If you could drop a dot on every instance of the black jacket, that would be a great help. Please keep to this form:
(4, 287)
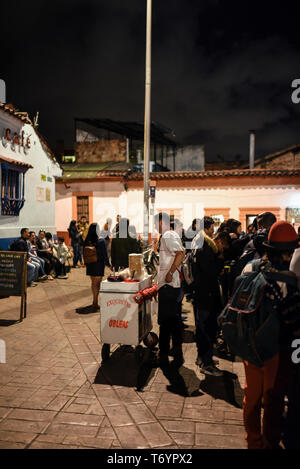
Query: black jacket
(74, 235)
(207, 269)
(20, 245)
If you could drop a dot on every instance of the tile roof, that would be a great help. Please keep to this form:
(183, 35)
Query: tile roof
(4, 159)
(10, 109)
(222, 173)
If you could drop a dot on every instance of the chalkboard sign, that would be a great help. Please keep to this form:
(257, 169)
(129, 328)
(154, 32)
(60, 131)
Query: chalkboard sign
(13, 276)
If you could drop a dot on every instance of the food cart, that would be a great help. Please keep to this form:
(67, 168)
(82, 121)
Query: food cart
(126, 313)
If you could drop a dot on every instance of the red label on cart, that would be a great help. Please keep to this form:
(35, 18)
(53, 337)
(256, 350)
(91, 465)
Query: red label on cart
(118, 302)
(116, 323)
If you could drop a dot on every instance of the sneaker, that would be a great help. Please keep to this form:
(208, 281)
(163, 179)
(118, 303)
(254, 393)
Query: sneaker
(42, 278)
(32, 284)
(210, 370)
(62, 276)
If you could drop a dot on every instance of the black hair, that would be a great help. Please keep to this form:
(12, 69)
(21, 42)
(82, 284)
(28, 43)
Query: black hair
(31, 232)
(208, 221)
(224, 237)
(222, 227)
(266, 220)
(232, 225)
(48, 235)
(23, 230)
(275, 256)
(60, 238)
(92, 236)
(72, 223)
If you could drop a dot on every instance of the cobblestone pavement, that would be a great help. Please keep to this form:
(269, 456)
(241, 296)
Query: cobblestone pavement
(54, 392)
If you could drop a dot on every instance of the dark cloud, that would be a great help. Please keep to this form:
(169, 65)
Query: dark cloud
(219, 67)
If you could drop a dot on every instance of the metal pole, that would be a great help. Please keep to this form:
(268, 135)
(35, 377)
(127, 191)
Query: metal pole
(127, 150)
(147, 127)
(252, 149)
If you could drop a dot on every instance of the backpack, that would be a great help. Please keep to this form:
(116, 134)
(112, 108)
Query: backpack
(90, 254)
(188, 268)
(250, 321)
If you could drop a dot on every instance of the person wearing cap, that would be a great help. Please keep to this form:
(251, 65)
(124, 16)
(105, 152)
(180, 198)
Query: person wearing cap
(268, 385)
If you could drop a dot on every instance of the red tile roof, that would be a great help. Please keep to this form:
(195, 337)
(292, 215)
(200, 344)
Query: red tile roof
(10, 109)
(4, 159)
(224, 173)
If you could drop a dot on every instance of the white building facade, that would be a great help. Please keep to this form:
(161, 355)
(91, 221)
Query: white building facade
(27, 177)
(186, 195)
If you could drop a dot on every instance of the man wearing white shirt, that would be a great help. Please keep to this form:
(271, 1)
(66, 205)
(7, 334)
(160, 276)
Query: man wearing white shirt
(171, 255)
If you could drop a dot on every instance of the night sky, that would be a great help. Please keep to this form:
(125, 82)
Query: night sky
(219, 68)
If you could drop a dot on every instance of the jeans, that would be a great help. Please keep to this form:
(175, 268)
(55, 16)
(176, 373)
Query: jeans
(206, 332)
(77, 254)
(32, 271)
(40, 263)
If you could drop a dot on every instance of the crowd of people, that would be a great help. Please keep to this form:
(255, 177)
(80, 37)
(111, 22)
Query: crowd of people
(217, 258)
(220, 259)
(46, 259)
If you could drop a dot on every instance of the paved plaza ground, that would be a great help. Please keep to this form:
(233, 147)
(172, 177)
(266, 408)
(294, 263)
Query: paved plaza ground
(54, 392)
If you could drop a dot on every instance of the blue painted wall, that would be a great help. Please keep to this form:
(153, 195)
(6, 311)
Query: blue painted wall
(5, 242)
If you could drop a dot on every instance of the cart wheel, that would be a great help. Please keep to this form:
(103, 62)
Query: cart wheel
(151, 340)
(105, 352)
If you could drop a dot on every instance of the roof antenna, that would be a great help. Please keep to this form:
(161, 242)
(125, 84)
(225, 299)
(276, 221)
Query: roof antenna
(36, 120)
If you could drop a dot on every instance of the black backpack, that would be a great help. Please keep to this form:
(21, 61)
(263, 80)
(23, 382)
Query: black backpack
(250, 321)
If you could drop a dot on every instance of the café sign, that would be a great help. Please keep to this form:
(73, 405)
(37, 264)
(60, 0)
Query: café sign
(15, 139)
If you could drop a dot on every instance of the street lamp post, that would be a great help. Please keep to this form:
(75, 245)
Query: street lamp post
(147, 125)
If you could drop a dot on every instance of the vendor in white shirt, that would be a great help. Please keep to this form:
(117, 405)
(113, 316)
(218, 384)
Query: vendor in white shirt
(171, 255)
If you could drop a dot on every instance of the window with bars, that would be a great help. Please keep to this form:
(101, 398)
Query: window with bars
(12, 190)
(82, 206)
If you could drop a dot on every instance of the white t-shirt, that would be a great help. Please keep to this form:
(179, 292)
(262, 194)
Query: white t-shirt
(170, 243)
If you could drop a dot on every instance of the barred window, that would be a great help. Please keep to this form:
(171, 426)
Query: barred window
(12, 190)
(82, 207)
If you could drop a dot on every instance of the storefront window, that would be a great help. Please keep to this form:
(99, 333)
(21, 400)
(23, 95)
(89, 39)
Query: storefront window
(12, 190)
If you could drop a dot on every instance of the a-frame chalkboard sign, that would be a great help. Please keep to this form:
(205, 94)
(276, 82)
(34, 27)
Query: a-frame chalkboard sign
(13, 277)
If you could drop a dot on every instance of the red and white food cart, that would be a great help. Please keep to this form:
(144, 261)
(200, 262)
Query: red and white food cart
(126, 315)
